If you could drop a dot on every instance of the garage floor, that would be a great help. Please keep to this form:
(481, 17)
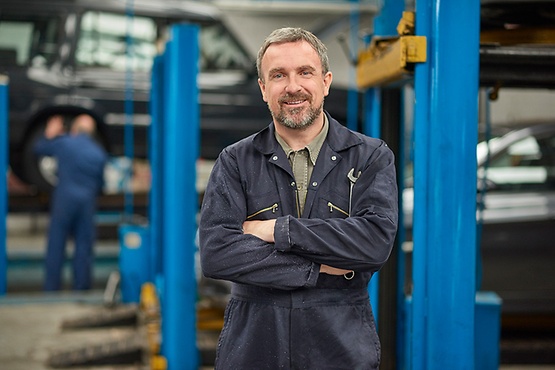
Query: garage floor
(31, 333)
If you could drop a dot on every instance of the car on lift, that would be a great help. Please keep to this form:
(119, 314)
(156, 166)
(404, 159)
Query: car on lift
(78, 56)
(516, 217)
(95, 56)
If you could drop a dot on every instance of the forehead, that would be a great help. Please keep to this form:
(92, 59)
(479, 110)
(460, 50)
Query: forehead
(290, 55)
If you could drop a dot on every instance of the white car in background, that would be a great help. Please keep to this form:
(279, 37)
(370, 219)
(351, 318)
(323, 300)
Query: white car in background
(517, 222)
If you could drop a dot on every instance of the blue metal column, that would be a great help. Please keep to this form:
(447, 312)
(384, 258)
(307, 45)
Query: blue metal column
(156, 146)
(129, 134)
(3, 181)
(180, 202)
(352, 97)
(385, 24)
(444, 257)
(372, 112)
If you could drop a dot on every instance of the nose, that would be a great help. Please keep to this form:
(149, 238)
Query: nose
(293, 85)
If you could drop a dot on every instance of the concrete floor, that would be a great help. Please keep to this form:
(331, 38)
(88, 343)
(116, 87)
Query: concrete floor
(31, 321)
(31, 330)
(33, 333)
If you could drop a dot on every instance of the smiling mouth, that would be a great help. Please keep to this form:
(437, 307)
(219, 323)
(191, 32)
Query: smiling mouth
(296, 102)
(293, 100)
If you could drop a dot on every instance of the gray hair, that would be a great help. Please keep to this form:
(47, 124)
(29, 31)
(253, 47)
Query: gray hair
(289, 34)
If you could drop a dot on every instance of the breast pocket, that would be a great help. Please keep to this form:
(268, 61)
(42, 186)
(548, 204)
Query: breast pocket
(263, 206)
(332, 205)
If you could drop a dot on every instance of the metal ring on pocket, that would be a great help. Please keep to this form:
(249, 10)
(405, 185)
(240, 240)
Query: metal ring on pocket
(349, 275)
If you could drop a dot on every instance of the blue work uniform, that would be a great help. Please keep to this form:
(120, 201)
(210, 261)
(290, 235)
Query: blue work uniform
(81, 162)
(284, 314)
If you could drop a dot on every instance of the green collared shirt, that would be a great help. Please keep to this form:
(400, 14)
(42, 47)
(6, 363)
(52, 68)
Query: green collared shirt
(303, 161)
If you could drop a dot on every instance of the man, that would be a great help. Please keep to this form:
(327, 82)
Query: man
(299, 216)
(81, 162)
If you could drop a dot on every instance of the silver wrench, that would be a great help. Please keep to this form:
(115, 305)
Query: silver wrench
(352, 179)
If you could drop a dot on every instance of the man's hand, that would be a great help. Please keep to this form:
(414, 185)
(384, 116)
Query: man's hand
(54, 127)
(262, 229)
(325, 269)
(265, 231)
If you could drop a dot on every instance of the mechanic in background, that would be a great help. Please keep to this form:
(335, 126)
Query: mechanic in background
(81, 162)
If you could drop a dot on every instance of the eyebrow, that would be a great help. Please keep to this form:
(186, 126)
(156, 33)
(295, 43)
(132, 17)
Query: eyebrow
(301, 68)
(274, 70)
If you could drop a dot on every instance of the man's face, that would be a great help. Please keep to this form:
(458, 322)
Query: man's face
(294, 86)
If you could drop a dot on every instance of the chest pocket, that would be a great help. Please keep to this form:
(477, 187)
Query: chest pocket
(263, 206)
(332, 205)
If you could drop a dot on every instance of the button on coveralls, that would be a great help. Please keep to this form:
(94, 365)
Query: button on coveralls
(81, 163)
(282, 313)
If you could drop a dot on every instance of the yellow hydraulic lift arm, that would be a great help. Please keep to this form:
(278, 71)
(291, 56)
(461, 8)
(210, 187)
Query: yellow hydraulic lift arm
(390, 59)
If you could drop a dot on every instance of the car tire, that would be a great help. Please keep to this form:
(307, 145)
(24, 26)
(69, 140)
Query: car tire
(31, 162)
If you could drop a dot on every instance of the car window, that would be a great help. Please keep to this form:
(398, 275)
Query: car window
(219, 51)
(104, 41)
(29, 40)
(527, 164)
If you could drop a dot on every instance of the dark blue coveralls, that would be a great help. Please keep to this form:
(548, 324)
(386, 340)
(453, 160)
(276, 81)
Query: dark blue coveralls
(282, 313)
(81, 162)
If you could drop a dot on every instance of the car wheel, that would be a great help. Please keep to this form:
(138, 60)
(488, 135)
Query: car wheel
(39, 171)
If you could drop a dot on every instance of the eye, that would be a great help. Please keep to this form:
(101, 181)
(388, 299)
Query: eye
(306, 73)
(277, 76)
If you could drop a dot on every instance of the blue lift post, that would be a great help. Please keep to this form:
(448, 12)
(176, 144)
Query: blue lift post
(3, 183)
(352, 97)
(444, 257)
(180, 200)
(155, 143)
(129, 135)
(352, 123)
(384, 25)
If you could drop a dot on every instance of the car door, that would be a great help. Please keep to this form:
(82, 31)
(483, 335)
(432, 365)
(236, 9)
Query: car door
(517, 225)
(113, 58)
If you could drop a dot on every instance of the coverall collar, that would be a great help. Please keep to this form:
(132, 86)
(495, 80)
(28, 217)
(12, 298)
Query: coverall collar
(339, 138)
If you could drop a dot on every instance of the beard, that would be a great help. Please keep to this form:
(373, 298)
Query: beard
(296, 118)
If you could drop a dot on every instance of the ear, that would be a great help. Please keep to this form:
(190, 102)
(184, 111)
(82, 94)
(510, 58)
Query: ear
(262, 86)
(328, 77)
